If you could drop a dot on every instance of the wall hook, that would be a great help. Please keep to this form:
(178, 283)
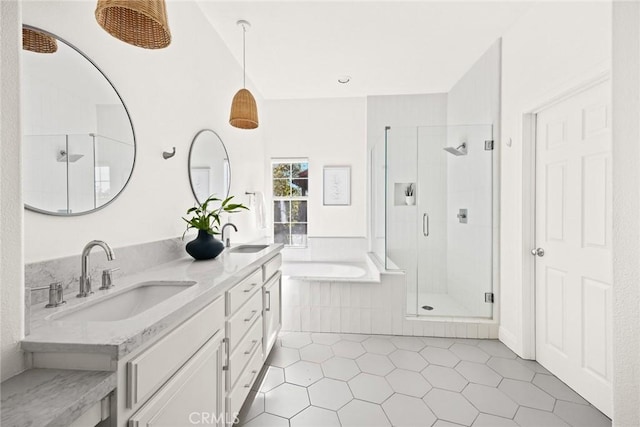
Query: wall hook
(167, 155)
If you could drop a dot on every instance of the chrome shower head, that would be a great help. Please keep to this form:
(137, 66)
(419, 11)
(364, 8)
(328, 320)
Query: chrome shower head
(460, 150)
(63, 156)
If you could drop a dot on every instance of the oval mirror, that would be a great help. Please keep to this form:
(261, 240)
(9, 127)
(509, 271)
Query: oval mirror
(78, 140)
(209, 168)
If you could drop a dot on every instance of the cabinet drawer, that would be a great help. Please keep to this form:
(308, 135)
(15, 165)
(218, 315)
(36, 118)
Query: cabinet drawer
(147, 371)
(241, 390)
(241, 292)
(244, 351)
(270, 267)
(240, 322)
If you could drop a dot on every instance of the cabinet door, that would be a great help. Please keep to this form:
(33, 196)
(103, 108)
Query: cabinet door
(272, 314)
(194, 395)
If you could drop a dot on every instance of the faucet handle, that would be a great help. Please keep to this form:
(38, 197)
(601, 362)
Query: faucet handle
(107, 278)
(56, 295)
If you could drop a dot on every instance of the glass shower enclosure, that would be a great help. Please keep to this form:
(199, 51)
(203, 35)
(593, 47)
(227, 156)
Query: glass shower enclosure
(432, 200)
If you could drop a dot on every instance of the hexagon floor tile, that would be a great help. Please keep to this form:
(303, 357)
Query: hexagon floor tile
(296, 340)
(351, 380)
(376, 364)
(490, 400)
(316, 353)
(330, 394)
(349, 349)
(451, 406)
(478, 373)
(303, 373)
(340, 368)
(440, 356)
(409, 360)
(272, 378)
(527, 394)
(315, 417)
(267, 420)
(469, 352)
(408, 382)
(364, 414)
(445, 378)
(286, 400)
(406, 411)
(371, 388)
(379, 345)
(283, 356)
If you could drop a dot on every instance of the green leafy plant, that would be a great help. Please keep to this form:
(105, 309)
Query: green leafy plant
(408, 191)
(209, 220)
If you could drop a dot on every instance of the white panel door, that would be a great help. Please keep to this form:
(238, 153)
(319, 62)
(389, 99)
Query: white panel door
(573, 227)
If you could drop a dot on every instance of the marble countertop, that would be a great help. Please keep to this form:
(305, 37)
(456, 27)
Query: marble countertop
(52, 397)
(119, 338)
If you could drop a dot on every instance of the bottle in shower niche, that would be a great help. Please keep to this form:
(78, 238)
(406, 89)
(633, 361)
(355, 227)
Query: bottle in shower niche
(409, 194)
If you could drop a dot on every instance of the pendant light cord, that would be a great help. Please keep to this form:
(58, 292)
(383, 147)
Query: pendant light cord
(244, 61)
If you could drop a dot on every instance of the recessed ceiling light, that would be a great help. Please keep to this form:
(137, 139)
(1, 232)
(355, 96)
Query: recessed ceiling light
(344, 79)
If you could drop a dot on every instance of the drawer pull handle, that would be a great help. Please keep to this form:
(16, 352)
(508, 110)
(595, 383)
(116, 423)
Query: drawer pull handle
(253, 377)
(253, 313)
(253, 345)
(249, 289)
(268, 293)
(225, 341)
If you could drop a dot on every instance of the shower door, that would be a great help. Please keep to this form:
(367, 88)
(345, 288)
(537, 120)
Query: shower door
(454, 193)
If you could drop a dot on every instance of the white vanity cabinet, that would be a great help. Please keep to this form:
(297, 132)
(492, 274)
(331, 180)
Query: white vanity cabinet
(194, 395)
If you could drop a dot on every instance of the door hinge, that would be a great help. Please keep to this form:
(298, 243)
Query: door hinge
(488, 145)
(488, 297)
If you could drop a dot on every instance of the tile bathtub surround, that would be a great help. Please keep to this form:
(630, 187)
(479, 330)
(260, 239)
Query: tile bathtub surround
(130, 260)
(366, 308)
(324, 380)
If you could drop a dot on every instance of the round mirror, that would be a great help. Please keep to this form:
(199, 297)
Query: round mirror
(78, 141)
(209, 168)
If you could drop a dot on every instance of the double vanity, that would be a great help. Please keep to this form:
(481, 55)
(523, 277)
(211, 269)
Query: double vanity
(179, 344)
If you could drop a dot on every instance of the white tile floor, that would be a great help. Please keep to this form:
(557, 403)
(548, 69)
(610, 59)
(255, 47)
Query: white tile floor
(324, 380)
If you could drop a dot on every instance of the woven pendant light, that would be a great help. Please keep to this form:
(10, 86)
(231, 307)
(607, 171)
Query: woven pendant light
(142, 23)
(38, 42)
(244, 111)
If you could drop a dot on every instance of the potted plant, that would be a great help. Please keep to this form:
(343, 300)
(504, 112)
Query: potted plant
(409, 194)
(207, 222)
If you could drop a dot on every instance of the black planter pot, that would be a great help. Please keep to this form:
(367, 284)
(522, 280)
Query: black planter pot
(205, 246)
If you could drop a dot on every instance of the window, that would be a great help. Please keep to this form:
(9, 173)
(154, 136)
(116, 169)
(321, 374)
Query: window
(102, 181)
(290, 193)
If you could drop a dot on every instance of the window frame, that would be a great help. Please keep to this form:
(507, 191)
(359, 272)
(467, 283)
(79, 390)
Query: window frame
(290, 198)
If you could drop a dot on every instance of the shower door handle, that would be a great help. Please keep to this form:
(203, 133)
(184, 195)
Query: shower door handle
(425, 225)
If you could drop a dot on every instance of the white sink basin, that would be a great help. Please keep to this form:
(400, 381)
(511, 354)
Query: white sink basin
(248, 249)
(126, 304)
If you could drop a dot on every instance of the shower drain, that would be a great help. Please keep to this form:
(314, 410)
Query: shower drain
(427, 307)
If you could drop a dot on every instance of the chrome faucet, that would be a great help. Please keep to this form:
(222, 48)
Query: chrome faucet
(85, 276)
(227, 242)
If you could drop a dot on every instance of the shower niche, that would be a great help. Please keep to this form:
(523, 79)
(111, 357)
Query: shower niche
(404, 194)
(445, 243)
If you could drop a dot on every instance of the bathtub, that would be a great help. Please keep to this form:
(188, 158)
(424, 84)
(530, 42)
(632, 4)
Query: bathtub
(330, 271)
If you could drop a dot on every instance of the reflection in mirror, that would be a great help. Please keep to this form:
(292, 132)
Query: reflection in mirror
(78, 141)
(209, 168)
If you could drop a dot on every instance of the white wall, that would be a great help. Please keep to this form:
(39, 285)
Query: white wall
(549, 47)
(327, 132)
(472, 183)
(171, 94)
(626, 205)
(11, 256)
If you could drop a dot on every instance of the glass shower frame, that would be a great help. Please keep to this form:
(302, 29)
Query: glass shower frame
(445, 241)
